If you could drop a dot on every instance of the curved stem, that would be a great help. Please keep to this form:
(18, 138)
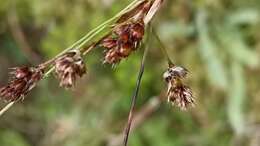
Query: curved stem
(162, 47)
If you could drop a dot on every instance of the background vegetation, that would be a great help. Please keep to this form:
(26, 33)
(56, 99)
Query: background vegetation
(217, 40)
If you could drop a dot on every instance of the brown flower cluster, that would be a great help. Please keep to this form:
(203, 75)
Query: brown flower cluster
(69, 67)
(124, 39)
(178, 93)
(23, 80)
(126, 35)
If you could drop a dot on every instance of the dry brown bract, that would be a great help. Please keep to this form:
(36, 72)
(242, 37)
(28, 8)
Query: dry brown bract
(178, 93)
(24, 79)
(69, 67)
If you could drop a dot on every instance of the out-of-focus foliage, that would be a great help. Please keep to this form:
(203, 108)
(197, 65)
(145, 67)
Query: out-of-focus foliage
(217, 40)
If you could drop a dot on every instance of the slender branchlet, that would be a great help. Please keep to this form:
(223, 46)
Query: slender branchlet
(162, 47)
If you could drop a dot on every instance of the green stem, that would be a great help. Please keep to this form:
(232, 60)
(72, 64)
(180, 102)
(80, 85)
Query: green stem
(91, 37)
(162, 47)
(48, 72)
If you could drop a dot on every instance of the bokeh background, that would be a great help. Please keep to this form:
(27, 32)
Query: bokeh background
(217, 40)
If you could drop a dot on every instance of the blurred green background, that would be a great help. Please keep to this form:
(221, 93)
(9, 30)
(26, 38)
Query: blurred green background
(217, 40)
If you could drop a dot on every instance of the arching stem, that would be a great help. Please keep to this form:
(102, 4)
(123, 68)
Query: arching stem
(163, 48)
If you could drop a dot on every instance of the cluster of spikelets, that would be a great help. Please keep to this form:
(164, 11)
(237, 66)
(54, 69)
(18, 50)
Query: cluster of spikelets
(23, 80)
(178, 93)
(124, 38)
(69, 67)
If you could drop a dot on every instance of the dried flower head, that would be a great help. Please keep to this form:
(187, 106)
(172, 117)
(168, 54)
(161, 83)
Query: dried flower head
(124, 39)
(69, 67)
(23, 80)
(178, 93)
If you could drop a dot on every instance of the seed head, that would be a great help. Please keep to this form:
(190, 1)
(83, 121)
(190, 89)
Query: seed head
(69, 67)
(178, 93)
(24, 79)
(127, 38)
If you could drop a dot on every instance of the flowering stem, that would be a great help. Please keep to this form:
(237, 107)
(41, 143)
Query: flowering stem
(162, 47)
(9, 105)
(84, 40)
(101, 27)
(80, 43)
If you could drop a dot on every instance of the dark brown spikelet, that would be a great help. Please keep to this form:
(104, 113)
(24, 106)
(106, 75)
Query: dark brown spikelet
(124, 39)
(24, 79)
(69, 67)
(178, 93)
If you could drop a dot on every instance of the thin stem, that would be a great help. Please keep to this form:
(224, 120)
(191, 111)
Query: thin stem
(90, 37)
(86, 50)
(9, 105)
(162, 47)
(135, 96)
(48, 72)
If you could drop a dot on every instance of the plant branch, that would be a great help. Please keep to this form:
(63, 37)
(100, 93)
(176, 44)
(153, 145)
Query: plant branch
(80, 43)
(162, 47)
